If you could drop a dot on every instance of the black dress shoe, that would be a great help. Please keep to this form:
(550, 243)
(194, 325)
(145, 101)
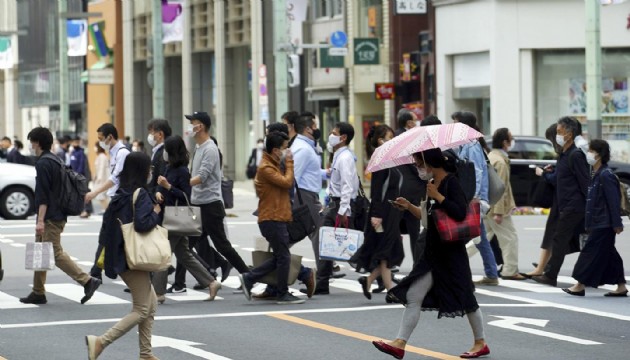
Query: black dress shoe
(616, 294)
(544, 279)
(225, 271)
(574, 293)
(365, 287)
(90, 289)
(33, 298)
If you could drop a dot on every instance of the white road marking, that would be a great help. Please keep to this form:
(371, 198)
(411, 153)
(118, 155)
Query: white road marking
(74, 293)
(248, 249)
(509, 322)
(6, 241)
(17, 245)
(11, 302)
(184, 346)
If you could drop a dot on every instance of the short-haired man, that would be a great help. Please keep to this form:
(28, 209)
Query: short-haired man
(289, 118)
(159, 131)
(108, 140)
(273, 183)
(407, 119)
(5, 145)
(51, 220)
(571, 183)
(206, 188)
(343, 187)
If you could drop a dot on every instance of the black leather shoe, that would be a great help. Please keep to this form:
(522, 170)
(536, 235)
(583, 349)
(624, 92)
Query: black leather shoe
(574, 293)
(544, 279)
(90, 289)
(365, 287)
(225, 271)
(33, 298)
(171, 269)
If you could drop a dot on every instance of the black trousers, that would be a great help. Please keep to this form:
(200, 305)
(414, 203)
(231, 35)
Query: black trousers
(278, 237)
(565, 241)
(325, 267)
(212, 216)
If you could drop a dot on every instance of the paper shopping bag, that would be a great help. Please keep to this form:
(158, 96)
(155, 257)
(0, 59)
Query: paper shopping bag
(338, 243)
(40, 256)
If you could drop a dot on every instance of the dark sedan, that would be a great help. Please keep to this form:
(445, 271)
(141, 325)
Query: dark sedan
(532, 151)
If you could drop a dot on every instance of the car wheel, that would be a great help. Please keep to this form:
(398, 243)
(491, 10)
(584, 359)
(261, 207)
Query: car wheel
(16, 203)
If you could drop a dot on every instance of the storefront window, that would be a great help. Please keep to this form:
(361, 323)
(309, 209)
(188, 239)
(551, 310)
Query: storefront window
(561, 90)
(328, 8)
(370, 18)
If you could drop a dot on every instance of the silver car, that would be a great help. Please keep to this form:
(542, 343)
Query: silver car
(17, 191)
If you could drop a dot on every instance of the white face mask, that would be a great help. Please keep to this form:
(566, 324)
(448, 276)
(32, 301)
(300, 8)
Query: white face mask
(424, 174)
(135, 148)
(151, 140)
(190, 130)
(104, 145)
(511, 147)
(590, 158)
(259, 146)
(334, 140)
(283, 155)
(560, 140)
(417, 123)
(165, 156)
(30, 148)
(330, 148)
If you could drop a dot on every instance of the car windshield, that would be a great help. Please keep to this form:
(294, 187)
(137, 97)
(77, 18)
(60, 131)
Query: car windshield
(533, 150)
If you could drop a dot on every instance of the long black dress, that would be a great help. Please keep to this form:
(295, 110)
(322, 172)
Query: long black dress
(452, 293)
(386, 245)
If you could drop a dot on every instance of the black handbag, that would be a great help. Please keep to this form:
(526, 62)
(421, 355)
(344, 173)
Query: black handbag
(543, 194)
(303, 223)
(227, 191)
(251, 171)
(360, 209)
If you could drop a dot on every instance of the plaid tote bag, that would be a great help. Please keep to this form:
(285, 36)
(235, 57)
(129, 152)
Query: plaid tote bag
(451, 230)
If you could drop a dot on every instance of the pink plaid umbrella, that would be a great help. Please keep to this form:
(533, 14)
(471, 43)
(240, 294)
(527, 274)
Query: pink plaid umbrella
(400, 149)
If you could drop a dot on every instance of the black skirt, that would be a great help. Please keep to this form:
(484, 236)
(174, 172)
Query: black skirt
(599, 262)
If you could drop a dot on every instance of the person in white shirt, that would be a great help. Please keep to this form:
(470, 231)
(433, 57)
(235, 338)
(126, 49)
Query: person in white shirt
(342, 189)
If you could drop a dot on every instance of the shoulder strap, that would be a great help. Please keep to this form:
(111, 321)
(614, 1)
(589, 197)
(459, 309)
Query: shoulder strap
(133, 203)
(297, 191)
(54, 158)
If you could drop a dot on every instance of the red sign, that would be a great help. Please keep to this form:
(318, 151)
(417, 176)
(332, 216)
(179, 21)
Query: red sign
(416, 108)
(384, 91)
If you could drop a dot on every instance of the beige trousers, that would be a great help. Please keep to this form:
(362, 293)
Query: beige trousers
(508, 242)
(52, 233)
(144, 305)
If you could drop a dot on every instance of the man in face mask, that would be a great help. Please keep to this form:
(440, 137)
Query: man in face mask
(571, 184)
(159, 131)
(108, 140)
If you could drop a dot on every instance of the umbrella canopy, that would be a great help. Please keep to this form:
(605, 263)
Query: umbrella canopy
(400, 150)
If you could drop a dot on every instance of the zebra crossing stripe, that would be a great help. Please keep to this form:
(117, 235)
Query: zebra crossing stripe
(75, 292)
(11, 302)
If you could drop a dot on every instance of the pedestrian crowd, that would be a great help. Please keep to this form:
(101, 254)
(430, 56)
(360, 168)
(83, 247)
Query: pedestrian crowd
(288, 171)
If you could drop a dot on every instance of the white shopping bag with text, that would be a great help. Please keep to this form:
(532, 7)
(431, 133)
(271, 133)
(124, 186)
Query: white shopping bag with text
(40, 256)
(338, 243)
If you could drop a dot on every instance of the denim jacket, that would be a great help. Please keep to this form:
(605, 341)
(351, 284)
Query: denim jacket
(474, 152)
(603, 202)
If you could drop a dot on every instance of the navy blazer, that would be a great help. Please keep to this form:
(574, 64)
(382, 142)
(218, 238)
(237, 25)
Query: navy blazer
(120, 208)
(179, 178)
(603, 203)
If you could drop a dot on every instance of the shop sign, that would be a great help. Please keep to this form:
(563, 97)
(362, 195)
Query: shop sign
(328, 60)
(406, 7)
(416, 108)
(384, 91)
(366, 51)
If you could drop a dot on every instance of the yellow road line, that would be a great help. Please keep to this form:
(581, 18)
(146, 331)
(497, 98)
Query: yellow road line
(359, 336)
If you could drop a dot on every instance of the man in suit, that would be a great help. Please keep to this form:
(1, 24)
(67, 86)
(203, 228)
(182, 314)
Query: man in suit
(406, 120)
(159, 130)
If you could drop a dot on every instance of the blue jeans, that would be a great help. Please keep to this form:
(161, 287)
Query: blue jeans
(487, 256)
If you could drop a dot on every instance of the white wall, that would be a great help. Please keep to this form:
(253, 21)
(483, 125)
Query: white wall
(320, 32)
(512, 30)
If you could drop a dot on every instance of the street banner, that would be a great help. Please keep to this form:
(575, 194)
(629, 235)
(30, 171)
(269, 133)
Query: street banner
(98, 39)
(172, 21)
(296, 15)
(77, 37)
(6, 53)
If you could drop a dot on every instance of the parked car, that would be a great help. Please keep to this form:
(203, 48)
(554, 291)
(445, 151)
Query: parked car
(532, 151)
(17, 191)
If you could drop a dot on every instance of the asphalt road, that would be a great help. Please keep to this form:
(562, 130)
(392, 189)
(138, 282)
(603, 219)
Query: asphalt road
(523, 320)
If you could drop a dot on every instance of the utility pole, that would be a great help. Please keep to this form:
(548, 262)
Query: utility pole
(280, 38)
(593, 52)
(64, 107)
(158, 60)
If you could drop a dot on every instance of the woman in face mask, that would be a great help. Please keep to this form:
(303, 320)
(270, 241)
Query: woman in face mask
(599, 262)
(441, 279)
(383, 247)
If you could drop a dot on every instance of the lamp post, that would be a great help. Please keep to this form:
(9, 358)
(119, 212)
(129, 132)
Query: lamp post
(593, 53)
(64, 107)
(158, 59)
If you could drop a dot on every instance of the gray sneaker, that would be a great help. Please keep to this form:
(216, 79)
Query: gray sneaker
(487, 281)
(288, 298)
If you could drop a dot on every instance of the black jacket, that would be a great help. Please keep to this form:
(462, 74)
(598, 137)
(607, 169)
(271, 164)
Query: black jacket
(179, 178)
(572, 179)
(48, 187)
(158, 168)
(120, 208)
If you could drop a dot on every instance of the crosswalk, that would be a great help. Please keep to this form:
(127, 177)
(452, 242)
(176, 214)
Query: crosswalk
(114, 295)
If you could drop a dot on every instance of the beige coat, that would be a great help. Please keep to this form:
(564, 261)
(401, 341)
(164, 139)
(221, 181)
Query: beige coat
(501, 163)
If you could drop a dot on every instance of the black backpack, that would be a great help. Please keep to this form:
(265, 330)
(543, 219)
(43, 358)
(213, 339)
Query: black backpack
(72, 188)
(464, 170)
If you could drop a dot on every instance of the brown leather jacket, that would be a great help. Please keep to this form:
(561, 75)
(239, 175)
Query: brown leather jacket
(272, 187)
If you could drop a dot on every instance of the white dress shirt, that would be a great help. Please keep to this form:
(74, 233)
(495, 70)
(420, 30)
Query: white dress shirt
(344, 181)
(117, 155)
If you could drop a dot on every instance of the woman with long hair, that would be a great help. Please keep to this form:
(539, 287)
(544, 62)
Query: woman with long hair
(383, 248)
(174, 187)
(599, 262)
(145, 216)
(441, 279)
